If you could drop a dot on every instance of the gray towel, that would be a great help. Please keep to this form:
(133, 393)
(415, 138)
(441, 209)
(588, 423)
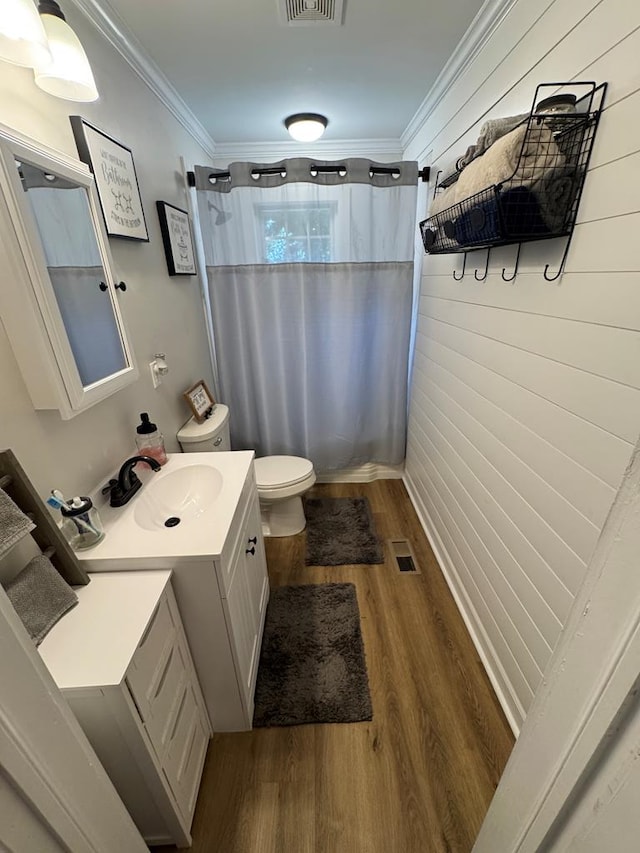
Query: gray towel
(490, 132)
(556, 192)
(40, 597)
(14, 524)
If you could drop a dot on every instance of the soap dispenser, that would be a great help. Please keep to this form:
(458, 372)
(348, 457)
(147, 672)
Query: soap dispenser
(149, 440)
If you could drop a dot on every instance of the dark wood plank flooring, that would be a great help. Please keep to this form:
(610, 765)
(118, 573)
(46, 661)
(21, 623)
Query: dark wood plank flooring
(420, 776)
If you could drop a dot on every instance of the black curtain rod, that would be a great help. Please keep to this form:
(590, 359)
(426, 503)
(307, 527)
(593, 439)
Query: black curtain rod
(423, 174)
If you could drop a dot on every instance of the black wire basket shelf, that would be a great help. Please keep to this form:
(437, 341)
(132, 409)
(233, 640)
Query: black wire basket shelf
(538, 199)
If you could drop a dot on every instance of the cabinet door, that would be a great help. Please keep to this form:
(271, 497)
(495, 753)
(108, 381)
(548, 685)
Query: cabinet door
(242, 613)
(246, 601)
(64, 321)
(256, 560)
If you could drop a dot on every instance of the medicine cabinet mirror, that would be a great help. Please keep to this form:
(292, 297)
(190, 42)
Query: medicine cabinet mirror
(58, 299)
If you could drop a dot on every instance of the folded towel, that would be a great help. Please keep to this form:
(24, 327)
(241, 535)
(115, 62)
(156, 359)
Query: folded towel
(40, 597)
(442, 200)
(516, 159)
(490, 132)
(14, 524)
(519, 158)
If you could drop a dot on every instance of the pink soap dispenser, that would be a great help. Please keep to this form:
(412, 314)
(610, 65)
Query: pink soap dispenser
(149, 440)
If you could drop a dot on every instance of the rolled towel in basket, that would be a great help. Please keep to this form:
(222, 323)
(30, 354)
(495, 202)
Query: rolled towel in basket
(14, 524)
(555, 192)
(40, 597)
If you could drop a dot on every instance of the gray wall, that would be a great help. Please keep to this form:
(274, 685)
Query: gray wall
(162, 314)
(526, 396)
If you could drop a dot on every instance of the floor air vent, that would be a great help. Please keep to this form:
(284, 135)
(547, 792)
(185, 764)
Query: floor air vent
(403, 555)
(303, 12)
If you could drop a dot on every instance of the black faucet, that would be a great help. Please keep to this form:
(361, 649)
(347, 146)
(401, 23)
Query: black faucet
(124, 488)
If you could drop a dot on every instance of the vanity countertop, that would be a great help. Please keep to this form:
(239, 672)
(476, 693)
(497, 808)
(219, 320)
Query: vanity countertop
(93, 644)
(197, 537)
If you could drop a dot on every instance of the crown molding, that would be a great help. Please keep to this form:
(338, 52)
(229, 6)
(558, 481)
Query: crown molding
(483, 26)
(114, 30)
(389, 150)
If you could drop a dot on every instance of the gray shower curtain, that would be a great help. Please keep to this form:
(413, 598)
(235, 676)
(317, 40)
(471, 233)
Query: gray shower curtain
(310, 277)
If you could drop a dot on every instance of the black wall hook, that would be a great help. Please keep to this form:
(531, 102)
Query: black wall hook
(435, 185)
(486, 268)
(562, 263)
(515, 269)
(464, 264)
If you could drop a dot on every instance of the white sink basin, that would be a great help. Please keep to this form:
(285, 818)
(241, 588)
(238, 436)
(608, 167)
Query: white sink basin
(177, 498)
(201, 489)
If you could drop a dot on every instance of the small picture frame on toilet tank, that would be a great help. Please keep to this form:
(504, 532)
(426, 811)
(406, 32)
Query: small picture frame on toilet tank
(200, 400)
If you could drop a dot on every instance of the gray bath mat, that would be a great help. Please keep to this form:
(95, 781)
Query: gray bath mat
(312, 664)
(340, 531)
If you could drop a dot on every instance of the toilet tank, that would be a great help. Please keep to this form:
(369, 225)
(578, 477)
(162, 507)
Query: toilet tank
(212, 434)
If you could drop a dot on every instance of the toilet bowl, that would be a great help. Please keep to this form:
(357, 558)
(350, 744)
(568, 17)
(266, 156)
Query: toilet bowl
(281, 482)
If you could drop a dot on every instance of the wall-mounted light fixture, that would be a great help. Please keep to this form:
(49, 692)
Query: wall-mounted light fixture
(69, 74)
(306, 127)
(23, 40)
(42, 39)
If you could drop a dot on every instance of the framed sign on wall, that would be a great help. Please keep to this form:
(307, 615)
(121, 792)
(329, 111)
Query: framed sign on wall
(116, 181)
(177, 239)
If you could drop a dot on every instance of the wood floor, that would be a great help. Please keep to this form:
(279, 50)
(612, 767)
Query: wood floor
(420, 776)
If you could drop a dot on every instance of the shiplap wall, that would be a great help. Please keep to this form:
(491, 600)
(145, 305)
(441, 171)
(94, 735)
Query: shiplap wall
(526, 395)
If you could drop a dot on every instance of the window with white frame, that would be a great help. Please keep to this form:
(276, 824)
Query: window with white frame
(296, 232)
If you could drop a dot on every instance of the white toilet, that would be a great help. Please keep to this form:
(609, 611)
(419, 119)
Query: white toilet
(281, 480)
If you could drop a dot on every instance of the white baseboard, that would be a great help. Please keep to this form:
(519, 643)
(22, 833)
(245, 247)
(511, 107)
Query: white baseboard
(362, 474)
(500, 682)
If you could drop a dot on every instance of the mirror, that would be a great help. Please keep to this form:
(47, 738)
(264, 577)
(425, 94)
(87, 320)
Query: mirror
(63, 219)
(58, 302)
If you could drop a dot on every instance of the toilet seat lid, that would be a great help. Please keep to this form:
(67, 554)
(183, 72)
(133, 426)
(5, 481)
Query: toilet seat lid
(274, 472)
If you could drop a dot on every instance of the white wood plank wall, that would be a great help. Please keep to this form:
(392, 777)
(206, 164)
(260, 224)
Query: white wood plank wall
(526, 395)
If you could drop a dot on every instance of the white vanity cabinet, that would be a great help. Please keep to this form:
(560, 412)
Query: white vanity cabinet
(122, 661)
(219, 577)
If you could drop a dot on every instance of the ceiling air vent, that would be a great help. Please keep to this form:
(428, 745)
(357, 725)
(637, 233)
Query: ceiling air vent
(306, 12)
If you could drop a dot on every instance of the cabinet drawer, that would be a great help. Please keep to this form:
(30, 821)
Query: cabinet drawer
(186, 752)
(149, 660)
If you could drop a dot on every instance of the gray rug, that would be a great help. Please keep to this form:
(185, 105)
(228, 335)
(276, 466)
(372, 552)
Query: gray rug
(312, 664)
(341, 531)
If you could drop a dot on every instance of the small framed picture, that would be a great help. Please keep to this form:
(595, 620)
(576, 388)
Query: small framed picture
(200, 400)
(116, 181)
(177, 239)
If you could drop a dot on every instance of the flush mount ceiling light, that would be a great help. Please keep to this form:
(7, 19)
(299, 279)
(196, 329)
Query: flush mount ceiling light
(22, 37)
(69, 74)
(306, 127)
